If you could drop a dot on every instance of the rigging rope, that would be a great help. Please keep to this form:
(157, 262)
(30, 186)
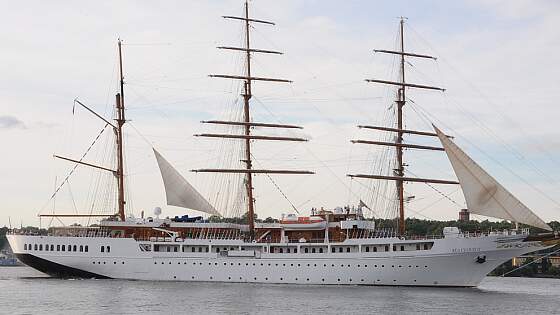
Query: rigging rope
(76, 166)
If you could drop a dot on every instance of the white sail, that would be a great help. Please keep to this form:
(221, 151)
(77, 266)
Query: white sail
(483, 194)
(178, 191)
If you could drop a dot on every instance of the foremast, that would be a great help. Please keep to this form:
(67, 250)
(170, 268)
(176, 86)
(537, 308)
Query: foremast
(399, 172)
(247, 123)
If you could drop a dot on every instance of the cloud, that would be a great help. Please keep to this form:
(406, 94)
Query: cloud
(11, 122)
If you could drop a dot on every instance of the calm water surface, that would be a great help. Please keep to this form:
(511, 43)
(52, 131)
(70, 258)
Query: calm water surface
(26, 291)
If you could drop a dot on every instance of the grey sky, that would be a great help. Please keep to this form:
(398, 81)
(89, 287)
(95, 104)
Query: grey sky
(497, 59)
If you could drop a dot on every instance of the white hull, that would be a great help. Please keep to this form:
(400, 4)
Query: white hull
(452, 261)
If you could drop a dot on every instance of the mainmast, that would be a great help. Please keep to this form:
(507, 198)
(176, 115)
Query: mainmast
(119, 103)
(247, 124)
(399, 171)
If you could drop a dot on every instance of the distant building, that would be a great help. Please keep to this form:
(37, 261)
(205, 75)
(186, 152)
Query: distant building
(521, 260)
(464, 215)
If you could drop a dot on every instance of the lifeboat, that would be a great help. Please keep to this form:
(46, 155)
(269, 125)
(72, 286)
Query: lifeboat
(293, 222)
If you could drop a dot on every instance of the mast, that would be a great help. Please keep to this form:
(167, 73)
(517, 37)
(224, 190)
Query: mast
(399, 171)
(117, 128)
(247, 119)
(247, 124)
(119, 103)
(401, 100)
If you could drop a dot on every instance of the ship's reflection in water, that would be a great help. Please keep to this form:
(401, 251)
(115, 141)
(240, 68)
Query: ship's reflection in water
(25, 291)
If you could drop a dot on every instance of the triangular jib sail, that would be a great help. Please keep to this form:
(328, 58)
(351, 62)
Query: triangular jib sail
(178, 191)
(483, 194)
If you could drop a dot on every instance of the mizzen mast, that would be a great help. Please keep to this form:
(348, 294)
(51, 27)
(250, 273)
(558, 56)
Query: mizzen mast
(399, 171)
(119, 103)
(247, 123)
(118, 130)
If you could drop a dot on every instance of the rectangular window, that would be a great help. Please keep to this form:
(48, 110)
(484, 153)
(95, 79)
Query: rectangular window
(58, 248)
(63, 248)
(108, 249)
(86, 249)
(102, 249)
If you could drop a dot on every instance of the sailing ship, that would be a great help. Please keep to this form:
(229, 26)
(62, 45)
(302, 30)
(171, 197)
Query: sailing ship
(337, 247)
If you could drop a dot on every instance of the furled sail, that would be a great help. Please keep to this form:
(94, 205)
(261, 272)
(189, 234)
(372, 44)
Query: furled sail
(178, 191)
(483, 194)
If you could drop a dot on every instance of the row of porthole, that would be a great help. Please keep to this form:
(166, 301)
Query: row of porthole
(58, 248)
(292, 265)
(104, 263)
(296, 279)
